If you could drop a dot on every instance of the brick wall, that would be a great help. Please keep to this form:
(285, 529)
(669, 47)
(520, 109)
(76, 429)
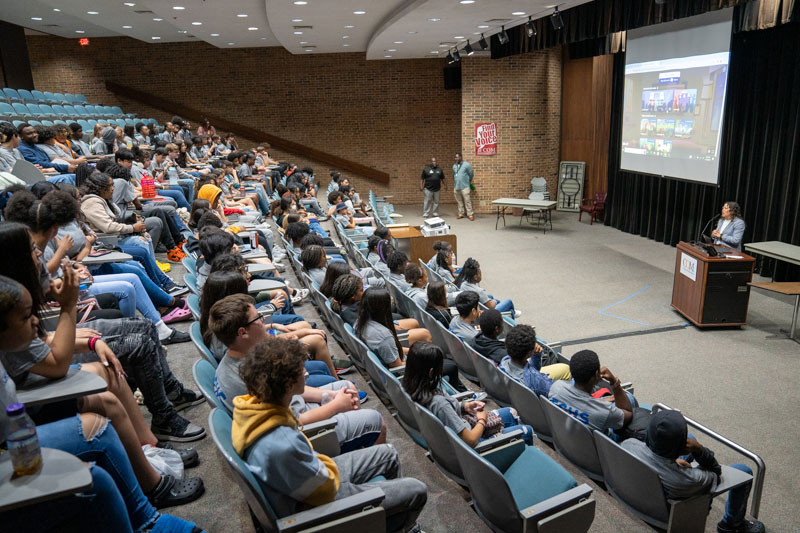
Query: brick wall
(391, 115)
(522, 94)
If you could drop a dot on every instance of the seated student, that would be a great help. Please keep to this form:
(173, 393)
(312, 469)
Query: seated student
(295, 233)
(106, 143)
(437, 247)
(334, 199)
(75, 140)
(487, 343)
(444, 265)
(422, 380)
(468, 280)
(28, 137)
(378, 250)
(669, 449)
(334, 183)
(54, 150)
(140, 169)
(128, 137)
(417, 279)
(436, 304)
(238, 325)
(397, 262)
(577, 400)
(343, 216)
(294, 477)
(334, 271)
(142, 135)
(314, 262)
(169, 174)
(353, 199)
(524, 359)
(9, 143)
(468, 313)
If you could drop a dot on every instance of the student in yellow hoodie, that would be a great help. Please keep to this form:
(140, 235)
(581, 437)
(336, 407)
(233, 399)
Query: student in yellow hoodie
(293, 477)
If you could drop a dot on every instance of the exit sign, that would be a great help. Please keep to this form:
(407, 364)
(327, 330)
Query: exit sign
(84, 41)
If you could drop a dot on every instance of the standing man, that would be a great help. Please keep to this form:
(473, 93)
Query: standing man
(462, 180)
(432, 178)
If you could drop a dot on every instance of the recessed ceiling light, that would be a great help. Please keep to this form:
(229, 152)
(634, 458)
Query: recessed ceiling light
(197, 23)
(387, 56)
(127, 27)
(412, 33)
(300, 2)
(477, 33)
(434, 20)
(518, 13)
(178, 8)
(345, 44)
(231, 44)
(92, 13)
(298, 33)
(349, 26)
(215, 34)
(398, 42)
(56, 9)
(158, 19)
(309, 50)
(297, 20)
(263, 38)
(483, 26)
(155, 38)
(444, 45)
(345, 36)
(303, 42)
(392, 50)
(458, 37)
(79, 31)
(182, 31)
(359, 12)
(252, 28)
(434, 51)
(36, 18)
(467, 1)
(129, 4)
(242, 15)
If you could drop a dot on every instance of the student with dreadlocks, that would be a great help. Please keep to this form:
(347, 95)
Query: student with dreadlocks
(468, 280)
(378, 251)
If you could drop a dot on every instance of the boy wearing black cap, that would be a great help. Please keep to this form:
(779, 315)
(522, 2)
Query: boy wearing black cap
(667, 441)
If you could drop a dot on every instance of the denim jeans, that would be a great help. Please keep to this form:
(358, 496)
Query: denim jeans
(318, 374)
(313, 206)
(142, 251)
(129, 504)
(314, 226)
(511, 423)
(263, 197)
(62, 178)
(175, 194)
(135, 343)
(157, 296)
(121, 285)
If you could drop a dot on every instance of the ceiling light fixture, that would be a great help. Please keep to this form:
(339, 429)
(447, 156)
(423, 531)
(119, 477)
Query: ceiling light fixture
(129, 4)
(467, 1)
(297, 20)
(36, 18)
(252, 28)
(483, 27)
(303, 42)
(309, 50)
(178, 8)
(182, 31)
(158, 19)
(502, 36)
(456, 55)
(518, 13)
(300, 2)
(391, 50)
(434, 20)
(398, 42)
(215, 34)
(468, 49)
(387, 56)
(231, 44)
(412, 33)
(79, 31)
(530, 28)
(345, 44)
(155, 38)
(345, 36)
(556, 20)
(242, 15)
(349, 26)
(483, 43)
(443, 46)
(298, 33)
(434, 51)
(458, 37)
(127, 27)
(359, 12)
(197, 23)
(92, 13)
(56, 9)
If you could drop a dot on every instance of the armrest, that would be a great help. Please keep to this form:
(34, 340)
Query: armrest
(330, 511)
(572, 510)
(398, 371)
(499, 440)
(317, 427)
(503, 456)
(464, 396)
(322, 436)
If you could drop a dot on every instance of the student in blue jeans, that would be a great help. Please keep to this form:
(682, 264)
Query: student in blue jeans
(468, 280)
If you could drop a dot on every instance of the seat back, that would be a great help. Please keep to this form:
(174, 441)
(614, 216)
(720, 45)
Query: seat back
(37, 123)
(190, 264)
(39, 96)
(70, 110)
(47, 110)
(81, 98)
(439, 445)
(79, 109)
(21, 109)
(405, 305)
(44, 123)
(26, 95)
(6, 109)
(573, 440)
(12, 94)
(60, 98)
(404, 405)
(120, 122)
(459, 354)
(191, 282)
(600, 198)
(49, 96)
(34, 109)
(359, 353)
(193, 301)
(529, 408)
(59, 109)
(377, 378)
(435, 328)
(117, 110)
(27, 172)
(493, 380)
(204, 375)
(197, 339)
(59, 122)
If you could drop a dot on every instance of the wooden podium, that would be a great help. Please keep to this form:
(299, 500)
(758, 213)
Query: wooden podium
(712, 291)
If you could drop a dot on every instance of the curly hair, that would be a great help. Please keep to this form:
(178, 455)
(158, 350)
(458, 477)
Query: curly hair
(344, 290)
(311, 238)
(491, 322)
(10, 296)
(583, 366)
(56, 208)
(273, 367)
(296, 231)
(736, 209)
(397, 262)
(520, 341)
(414, 273)
(468, 271)
(334, 271)
(312, 256)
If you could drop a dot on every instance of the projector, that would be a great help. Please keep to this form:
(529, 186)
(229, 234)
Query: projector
(434, 226)
(434, 222)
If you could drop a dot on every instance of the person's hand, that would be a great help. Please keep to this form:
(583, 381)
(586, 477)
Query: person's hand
(86, 333)
(318, 332)
(692, 446)
(81, 160)
(279, 327)
(109, 360)
(681, 462)
(65, 243)
(71, 168)
(482, 414)
(715, 234)
(354, 400)
(91, 238)
(279, 301)
(606, 374)
(66, 293)
(537, 348)
(343, 401)
(139, 227)
(472, 407)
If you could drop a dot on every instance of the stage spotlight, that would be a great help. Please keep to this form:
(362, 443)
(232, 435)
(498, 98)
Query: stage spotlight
(449, 58)
(468, 49)
(502, 36)
(456, 55)
(558, 22)
(483, 43)
(530, 28)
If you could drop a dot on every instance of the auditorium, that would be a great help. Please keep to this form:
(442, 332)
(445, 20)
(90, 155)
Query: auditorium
(399, 266)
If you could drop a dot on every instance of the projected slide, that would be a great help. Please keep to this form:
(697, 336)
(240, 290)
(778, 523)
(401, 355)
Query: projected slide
(673, 115)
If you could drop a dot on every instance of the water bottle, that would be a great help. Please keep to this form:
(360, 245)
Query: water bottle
(23, 444)
(172, 172)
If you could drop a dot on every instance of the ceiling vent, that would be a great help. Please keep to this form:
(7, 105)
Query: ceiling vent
(449, 43)
(498, 21)
(303, 27)
(52, 26)
(143, 11)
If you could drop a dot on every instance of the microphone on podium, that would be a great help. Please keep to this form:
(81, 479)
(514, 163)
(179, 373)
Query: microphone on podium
(702, 233)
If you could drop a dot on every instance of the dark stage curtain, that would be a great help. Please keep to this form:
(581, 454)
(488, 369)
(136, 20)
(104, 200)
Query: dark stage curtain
(760, 156)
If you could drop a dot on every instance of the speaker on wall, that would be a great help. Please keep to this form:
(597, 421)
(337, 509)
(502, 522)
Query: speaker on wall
(452, 77)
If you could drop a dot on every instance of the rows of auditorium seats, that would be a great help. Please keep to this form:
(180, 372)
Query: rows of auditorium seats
(47, 109)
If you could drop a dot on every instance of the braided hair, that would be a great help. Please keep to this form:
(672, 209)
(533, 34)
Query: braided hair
(344, 290)
(468, 271)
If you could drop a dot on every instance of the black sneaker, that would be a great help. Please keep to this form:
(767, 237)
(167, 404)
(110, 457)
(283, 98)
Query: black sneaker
(171, 491)
(178, 429)
(176, 290)
(185, 399)
(176, 337)
(188, 455)
(747, 526)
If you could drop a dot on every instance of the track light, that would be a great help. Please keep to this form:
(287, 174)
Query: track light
(456, 55)
(449, 58)
(502, 36)
(558, 22)
(468, 49)
(530, 28)
(483, 43)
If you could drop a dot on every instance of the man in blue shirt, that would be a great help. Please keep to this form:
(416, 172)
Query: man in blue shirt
(462, 180)
(33, 154)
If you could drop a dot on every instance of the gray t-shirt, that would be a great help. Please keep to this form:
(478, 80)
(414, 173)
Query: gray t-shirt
(74, 230)
(18, 363)
(8, 395)
(483, 296)
(462, 329)
(344, 220)
(400, 281)
(122, 195)
(596, 413)
(227, 383)
(317, 275)
(512, 369)
(218, 350)
(8, 158)
(381, 341)
(678, 481)
(447, 410)
(420, 296)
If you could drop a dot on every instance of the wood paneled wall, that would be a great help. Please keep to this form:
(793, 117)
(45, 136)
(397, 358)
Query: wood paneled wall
(586, 117)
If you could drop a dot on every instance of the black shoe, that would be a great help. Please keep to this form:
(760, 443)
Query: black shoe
(170, 491)
(160, 249)
(747, 526)
(176, 290)
(177, 429)
(185, 399)
(176, 337)
(188, 455)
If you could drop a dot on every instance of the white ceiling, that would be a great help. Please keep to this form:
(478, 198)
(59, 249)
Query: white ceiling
(388, 29)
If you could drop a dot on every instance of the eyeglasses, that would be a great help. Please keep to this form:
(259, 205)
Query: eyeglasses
(259, 317)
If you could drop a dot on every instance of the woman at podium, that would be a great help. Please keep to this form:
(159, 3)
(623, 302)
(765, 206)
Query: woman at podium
(730, 227)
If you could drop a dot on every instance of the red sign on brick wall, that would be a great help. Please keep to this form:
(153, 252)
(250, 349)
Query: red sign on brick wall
(485, 138)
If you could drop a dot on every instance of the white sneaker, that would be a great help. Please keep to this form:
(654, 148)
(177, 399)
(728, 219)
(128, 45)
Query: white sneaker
(300, 295)
(517, 314)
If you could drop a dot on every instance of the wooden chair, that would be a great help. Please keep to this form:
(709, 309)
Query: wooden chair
(596, 206)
